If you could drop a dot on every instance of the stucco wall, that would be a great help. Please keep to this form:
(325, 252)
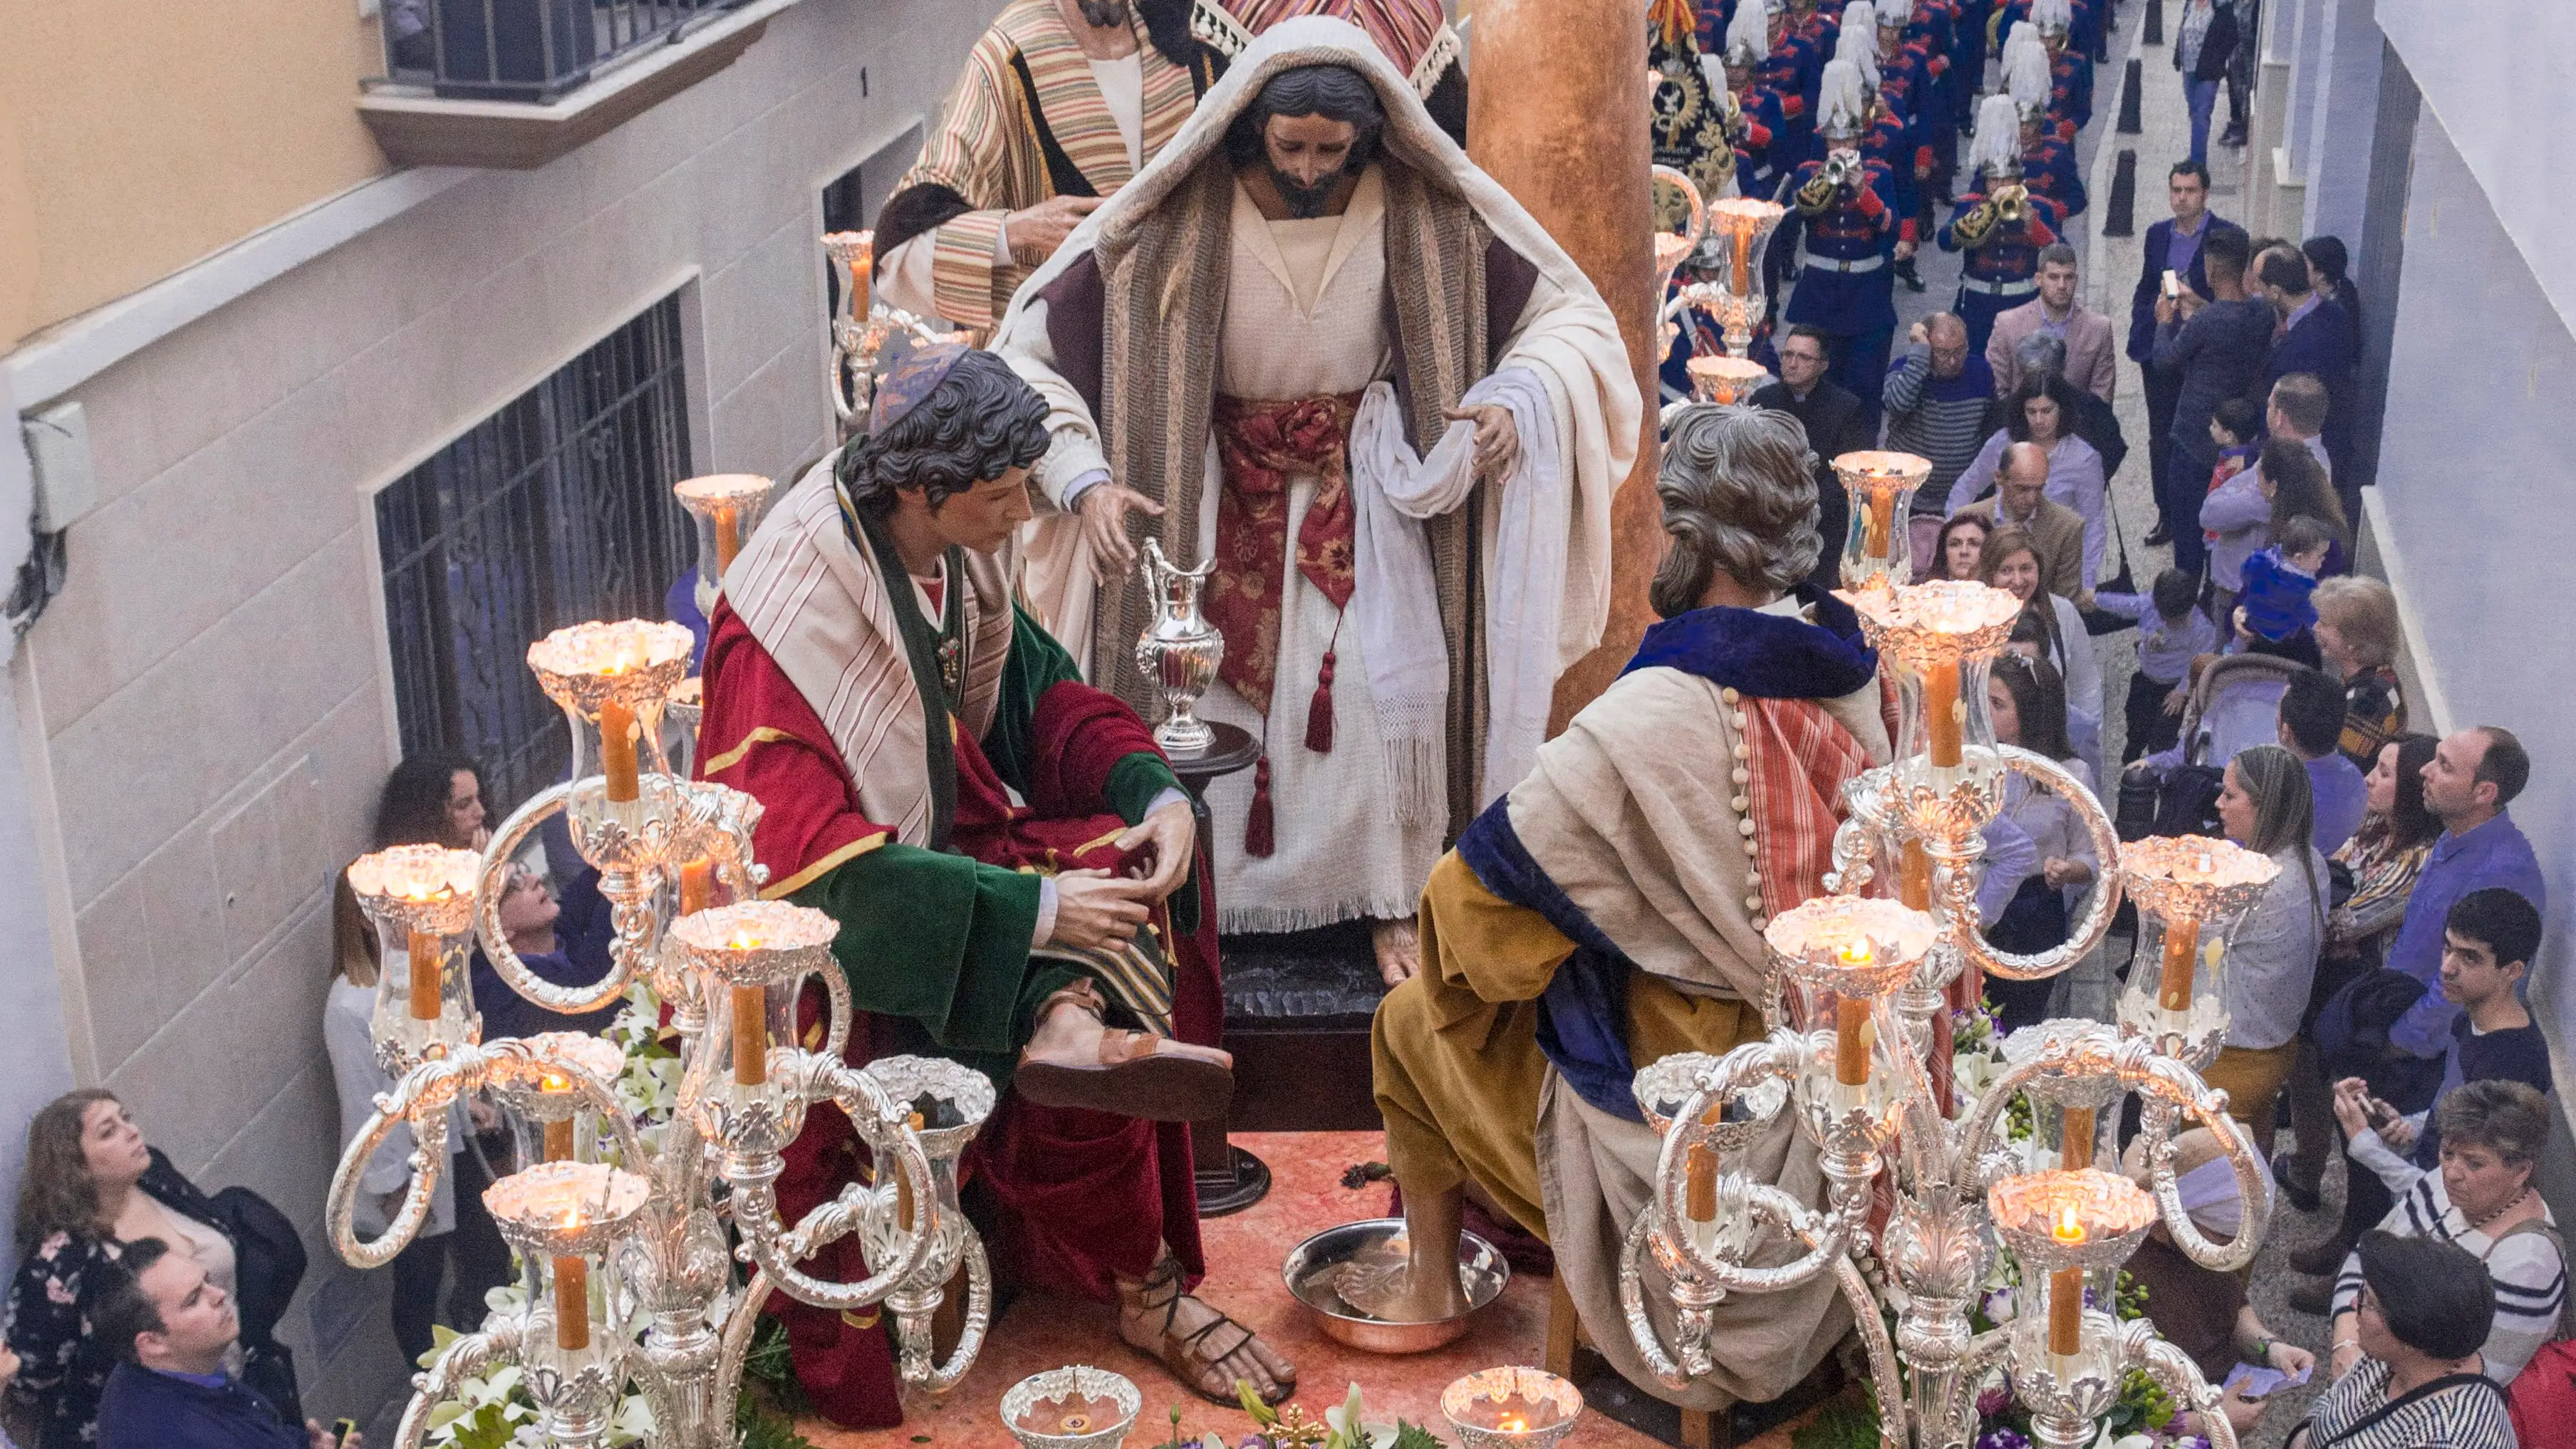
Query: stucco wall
(2475, 482)
(207, 705)
(147, 135)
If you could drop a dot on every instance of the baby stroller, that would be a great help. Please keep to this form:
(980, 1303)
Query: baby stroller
(2235, 703)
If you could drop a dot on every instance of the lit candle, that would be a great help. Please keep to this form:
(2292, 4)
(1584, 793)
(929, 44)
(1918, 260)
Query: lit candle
(2066, 1312)
(2075, 1138)
(862, 265)
(728, 536)
(697, 885)
(750, 1036)
(558, 1133)
(1742, 276)
(1943, 711)
(1914, 875)
(572, 1304)
(617, 752)
(424, 952)
(2173, 988)
(1851, 1041)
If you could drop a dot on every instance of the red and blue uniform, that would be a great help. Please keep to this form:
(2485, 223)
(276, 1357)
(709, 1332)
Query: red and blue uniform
(2001, 269)
(2048, 169)
(1845, 287)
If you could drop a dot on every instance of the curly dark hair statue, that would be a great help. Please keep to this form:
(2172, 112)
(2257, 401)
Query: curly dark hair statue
(1334, 92)
(981, 421)
(1739, 498)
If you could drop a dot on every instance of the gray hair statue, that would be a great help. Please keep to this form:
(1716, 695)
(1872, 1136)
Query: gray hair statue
(1740, 498)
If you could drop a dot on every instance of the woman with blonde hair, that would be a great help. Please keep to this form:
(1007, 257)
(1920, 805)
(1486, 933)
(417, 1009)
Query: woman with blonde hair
(2264, 805)
(2356, 632)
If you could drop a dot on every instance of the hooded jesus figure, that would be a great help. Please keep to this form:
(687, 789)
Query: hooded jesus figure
(1316, 347)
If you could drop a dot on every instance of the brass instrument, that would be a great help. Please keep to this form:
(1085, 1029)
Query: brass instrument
(2012, 204)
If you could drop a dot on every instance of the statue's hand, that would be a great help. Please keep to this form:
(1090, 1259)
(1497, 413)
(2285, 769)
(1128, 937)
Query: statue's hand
(1033, 233)
(1104, 521)
(1097, 911)
(1172, 835)
(1498, 443)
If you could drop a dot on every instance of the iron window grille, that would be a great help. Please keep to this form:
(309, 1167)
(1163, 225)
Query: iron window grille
(553, 510)
(524, 50)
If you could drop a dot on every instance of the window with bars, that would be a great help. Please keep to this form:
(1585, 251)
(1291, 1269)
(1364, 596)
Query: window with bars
(554, 510)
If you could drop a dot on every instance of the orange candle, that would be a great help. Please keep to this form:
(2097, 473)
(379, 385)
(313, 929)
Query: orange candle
(617, 752)
(697, 885)
(2173, 989)
(862, 265)
(1882, 522)
(1743, 274)
(1914, 875)
(558, 1134)
(903, 1190)
(425, 973)
(1851, 1041)
(2066, 1311)
(750, 1035)
(728, 537)
(572, 1304)
(2075, 1138)
(1943, 711)
(1699, 1176)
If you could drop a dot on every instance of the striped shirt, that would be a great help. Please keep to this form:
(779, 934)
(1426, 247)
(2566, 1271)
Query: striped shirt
(2530, 1279)
(1940, 418)
(2456, 1411)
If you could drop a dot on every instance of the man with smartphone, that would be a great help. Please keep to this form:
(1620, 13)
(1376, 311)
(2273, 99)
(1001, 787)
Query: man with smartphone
(2170, 264)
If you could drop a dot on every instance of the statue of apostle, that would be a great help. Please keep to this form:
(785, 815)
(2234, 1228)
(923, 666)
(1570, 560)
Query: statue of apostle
(1060, 103)
(1609, 911)
(1248, 352)
(1010, 859)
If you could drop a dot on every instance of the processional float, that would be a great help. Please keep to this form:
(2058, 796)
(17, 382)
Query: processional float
(1856, 981)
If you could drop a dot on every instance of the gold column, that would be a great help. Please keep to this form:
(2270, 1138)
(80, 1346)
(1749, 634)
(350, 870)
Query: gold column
(1556, 112)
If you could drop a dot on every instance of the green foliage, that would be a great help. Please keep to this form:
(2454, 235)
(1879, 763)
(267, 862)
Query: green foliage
(488, 1426)
(1409, 1435)
(2132, 1298)
(1842, 1424)
(2143, 1407)
(763, 1427)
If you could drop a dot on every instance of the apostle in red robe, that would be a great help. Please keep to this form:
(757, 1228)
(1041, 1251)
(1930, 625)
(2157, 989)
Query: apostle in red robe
(1010, 858)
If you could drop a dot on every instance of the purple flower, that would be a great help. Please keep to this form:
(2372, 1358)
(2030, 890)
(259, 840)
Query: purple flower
(2003, 1439)
(1993, 1401)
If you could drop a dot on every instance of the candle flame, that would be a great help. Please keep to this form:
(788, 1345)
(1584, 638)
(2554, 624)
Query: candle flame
(2067, 1229)
(1856, 952)
(555, 1082)
(744, 940)
(1512, 1424)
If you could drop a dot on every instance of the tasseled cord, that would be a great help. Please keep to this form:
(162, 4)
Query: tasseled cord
(1319, 709)
(1258, 837)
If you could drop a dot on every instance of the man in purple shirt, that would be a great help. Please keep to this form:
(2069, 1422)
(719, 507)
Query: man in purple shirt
(2474, 774)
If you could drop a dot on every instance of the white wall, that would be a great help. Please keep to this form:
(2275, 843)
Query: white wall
(2501, 76)
(207, 706)
(2476, 482)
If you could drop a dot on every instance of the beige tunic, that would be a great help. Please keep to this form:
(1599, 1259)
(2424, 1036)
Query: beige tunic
(1303, 317)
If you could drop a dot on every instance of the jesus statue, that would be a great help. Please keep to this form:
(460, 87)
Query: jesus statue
(1314, 345)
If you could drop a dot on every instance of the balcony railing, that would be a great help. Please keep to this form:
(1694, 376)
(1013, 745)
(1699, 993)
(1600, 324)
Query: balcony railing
(525, 50)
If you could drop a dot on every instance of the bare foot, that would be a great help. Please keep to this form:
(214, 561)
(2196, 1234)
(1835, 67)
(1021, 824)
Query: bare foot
(1394, 1293)
(1200, 1345)
(1399, 950)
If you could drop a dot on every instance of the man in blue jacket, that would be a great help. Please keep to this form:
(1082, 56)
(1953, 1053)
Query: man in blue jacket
(2173, 246)
(173, 1327)
(2317, 339)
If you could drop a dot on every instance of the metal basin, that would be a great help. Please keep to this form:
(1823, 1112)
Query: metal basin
(1314, 1268)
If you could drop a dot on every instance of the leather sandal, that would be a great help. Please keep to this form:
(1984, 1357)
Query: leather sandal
(1190, 1356)
(1139, 1074)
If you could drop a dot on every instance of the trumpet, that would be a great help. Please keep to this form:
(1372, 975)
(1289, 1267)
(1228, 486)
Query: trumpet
(1844, 170)
(2012, 204)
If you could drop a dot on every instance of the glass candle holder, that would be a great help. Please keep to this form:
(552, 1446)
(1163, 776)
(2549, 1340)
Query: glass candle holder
(1661, 1090)
(949, 1103)
(1074, 1407)
(853, 254)
(747, 959)
(2191, 891)
(1844, 957)
(1878, 547)
(727, 507)
(680, 715)
(561, 1130)
(1510, 1408)
(1942, 638)
(611, 681)
(564, 1217)
(2077, 1096)
(421, 901)
(2062, 1226)
(1725, 379)
(1742, 226)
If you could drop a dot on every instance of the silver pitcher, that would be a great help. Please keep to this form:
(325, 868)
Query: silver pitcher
(1179, 652)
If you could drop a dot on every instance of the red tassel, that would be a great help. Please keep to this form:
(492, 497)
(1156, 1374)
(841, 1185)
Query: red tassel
(1319, 710)
(1258, 840)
